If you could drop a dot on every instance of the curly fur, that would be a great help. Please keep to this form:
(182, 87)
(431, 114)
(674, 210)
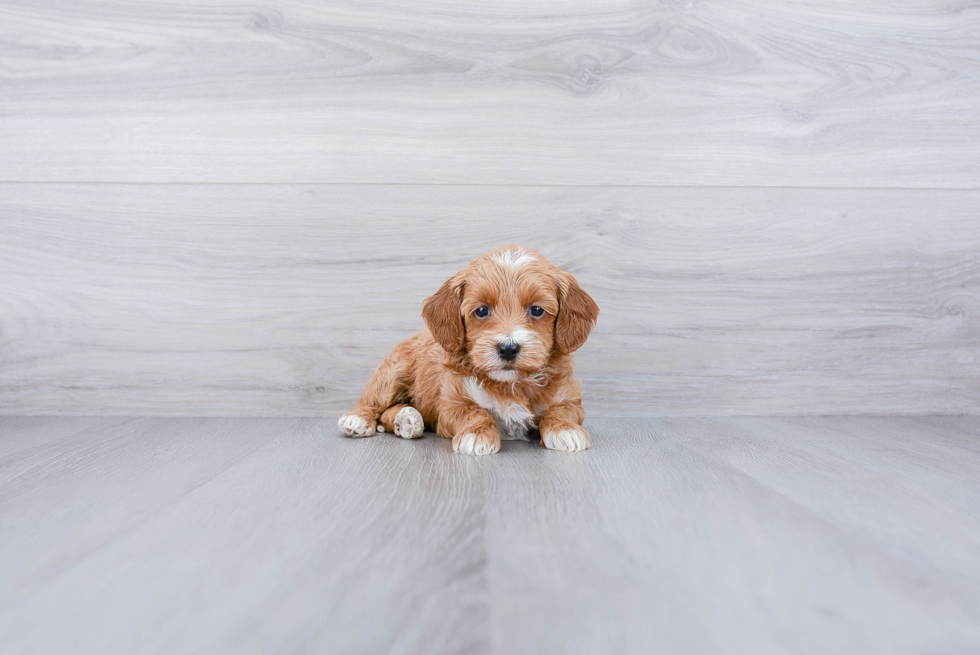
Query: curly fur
(452, 372)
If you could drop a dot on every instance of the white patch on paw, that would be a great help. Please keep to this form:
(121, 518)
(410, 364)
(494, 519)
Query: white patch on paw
(409, 423)
(380, 428)
(353, 425)
(470, 444)
(567, 440)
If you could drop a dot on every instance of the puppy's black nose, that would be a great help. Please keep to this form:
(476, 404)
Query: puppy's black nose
(508, 351)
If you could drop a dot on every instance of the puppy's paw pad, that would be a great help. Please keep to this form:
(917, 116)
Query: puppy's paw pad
(409, 423)
(475, 444)
(353, 425)
(571, 441)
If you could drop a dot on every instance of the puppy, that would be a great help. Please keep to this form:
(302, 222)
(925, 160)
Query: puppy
(495, 362)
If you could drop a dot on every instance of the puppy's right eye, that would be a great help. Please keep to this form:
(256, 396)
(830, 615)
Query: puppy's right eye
(482, 311)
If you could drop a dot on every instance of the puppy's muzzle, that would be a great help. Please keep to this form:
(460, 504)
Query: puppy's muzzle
(508, 351)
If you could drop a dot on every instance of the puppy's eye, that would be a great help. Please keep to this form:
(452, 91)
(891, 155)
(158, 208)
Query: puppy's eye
(482, 311)
(536, 312)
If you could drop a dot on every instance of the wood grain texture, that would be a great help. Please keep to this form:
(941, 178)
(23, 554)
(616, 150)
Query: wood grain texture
(281, 300)
(800, 535)
(742, 536)
(724, 92)
(94, 473)
(300, 546)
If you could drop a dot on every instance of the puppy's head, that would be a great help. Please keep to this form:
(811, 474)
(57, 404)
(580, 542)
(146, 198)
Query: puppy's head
(509, 312)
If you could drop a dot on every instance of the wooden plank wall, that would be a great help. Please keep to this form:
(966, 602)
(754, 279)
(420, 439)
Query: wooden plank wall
(210, 208)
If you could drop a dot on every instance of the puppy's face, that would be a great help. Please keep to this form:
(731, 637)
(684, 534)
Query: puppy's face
(508, 312)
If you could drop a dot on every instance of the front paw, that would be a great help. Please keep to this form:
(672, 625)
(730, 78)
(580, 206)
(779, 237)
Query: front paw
(567, 437)
(354, 425)
(476, 443)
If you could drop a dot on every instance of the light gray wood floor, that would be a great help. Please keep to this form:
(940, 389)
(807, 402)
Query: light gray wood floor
(792, 535)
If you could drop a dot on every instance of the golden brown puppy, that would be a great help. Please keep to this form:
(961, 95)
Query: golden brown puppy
(495, 362)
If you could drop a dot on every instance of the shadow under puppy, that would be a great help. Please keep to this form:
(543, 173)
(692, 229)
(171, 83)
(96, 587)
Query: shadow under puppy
(495, 362)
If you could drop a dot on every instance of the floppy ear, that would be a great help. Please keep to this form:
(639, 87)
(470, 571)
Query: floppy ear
(443, 317)
(577, 314)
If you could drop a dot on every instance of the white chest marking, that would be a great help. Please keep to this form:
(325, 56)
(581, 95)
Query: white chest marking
(513, 419)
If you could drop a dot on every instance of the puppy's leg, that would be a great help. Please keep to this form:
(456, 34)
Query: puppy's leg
(385, 386)
(472, 429)
(561, 424)
(403, 421)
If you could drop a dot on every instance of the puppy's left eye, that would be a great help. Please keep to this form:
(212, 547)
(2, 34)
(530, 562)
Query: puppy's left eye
(536, 312)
